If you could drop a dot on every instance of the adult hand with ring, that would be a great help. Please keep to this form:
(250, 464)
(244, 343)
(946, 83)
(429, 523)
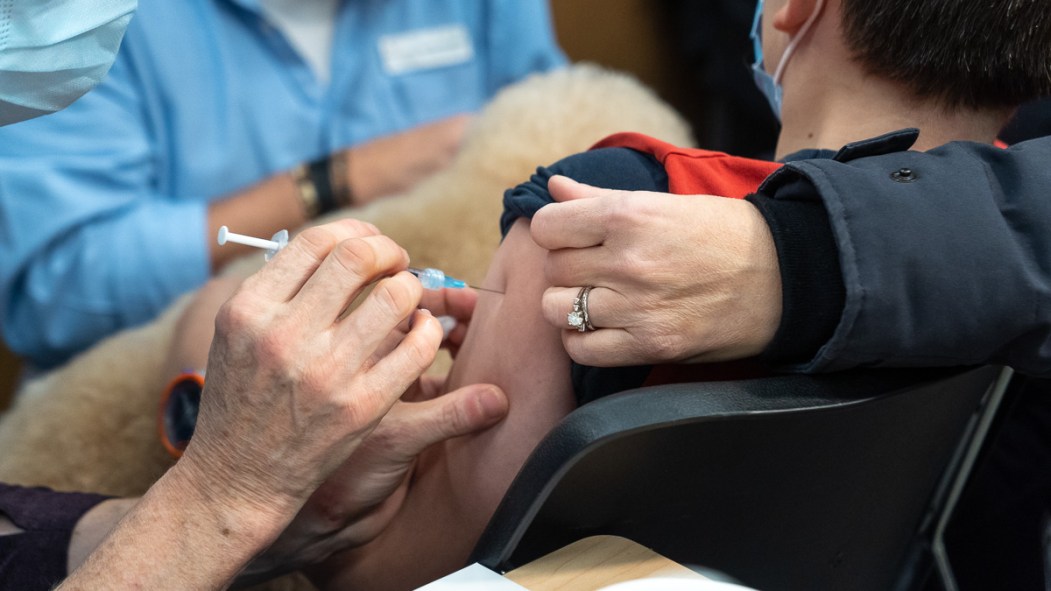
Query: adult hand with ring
(675, 278)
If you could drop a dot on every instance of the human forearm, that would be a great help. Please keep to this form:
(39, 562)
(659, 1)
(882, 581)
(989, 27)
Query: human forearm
(93, 528)
(354, 176)
(180, 535)
(391, 164)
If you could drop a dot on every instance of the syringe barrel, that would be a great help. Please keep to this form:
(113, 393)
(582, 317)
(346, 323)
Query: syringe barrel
(432, 278)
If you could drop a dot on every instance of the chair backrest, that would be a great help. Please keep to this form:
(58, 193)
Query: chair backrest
(792, 482)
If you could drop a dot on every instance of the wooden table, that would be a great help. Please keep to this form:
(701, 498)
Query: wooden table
(595, 562)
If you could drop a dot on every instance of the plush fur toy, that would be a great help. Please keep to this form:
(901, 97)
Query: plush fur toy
(90, 425)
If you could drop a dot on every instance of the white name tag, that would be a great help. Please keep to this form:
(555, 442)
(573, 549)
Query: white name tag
(426, 49)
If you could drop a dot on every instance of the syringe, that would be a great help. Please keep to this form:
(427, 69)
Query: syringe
(430, 278)
(272, 246)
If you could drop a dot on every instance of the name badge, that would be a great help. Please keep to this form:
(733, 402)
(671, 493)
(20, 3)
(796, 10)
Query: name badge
(426, 49)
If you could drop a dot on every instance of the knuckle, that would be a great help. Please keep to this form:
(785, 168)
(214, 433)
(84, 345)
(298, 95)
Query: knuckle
(318, 239)
(396, 297)
(355, 256)
(665, 345)
(368, 404)
(452, 421)
(419, 352)
(634, 264)
(538, 226)
(391, 434)
(558, 268)
(632, 213)
(552, 310)
(621, 210)
(387, 245)
(575, 348)
(357, 228)
(360, 411)
(237, 315)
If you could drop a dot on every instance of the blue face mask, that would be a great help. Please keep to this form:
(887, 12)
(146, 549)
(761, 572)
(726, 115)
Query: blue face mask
(771, 85)
(56, 50)
(770, 89)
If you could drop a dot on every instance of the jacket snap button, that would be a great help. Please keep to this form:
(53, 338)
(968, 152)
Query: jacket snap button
(903, 175)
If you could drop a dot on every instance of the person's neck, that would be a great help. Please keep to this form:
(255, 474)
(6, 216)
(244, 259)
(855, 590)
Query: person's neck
(832, 110)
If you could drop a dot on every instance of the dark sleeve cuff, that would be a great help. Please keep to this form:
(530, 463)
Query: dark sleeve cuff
(37, 558)
(813, 293)
(610, 168)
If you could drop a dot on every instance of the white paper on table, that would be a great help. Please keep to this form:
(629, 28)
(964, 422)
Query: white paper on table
(473, 578)
(674, 584)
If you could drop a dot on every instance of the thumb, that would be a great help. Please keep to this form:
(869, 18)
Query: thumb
(563, 188)
(576, 219)
(461, 412)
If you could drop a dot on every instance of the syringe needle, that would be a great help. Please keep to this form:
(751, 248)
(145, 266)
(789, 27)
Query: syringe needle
(485, 289)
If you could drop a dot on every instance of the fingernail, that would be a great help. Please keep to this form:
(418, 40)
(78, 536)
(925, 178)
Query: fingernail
(493, 403)
(414, 318)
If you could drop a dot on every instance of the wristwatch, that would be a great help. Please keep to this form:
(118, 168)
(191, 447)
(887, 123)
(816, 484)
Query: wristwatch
(177, 412)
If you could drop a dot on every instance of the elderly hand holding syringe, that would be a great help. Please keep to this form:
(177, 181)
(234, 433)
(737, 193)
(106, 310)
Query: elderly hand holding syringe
(429, 277)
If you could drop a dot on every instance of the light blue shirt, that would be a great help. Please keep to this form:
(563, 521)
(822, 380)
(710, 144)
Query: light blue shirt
(103, 206)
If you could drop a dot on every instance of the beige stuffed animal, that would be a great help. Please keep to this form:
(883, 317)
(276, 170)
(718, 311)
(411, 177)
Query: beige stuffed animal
(90, 425)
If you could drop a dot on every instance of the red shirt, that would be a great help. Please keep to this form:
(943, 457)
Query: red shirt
(693, 171)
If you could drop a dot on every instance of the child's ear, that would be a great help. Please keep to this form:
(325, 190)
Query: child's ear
(790, 17)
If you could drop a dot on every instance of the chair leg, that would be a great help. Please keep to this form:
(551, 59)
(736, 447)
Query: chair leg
(973, 442)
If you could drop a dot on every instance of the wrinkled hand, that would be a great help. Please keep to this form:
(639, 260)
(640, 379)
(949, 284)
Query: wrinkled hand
(394, 163)
(358, 501)
(294, 386)
(677, 278)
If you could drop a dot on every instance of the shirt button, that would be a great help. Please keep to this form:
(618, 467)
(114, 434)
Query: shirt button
(903, 175)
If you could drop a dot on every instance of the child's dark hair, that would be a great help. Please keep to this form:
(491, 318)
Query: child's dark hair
(964, 53)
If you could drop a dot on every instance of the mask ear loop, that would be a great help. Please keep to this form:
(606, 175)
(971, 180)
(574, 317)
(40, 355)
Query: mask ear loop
(795, 42)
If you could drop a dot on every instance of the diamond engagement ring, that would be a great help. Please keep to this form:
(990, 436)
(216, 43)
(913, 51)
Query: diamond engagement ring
(578, 318)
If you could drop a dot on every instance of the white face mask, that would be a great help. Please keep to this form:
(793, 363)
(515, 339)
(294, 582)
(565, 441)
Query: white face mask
(53, 51)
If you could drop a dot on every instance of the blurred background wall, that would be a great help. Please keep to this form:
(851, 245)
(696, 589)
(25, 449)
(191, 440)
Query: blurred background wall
(695, 53)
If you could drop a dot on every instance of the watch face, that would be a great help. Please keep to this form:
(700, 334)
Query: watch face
(179, 412)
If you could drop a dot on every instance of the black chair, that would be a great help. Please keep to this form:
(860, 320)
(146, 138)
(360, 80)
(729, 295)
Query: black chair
(792, 482)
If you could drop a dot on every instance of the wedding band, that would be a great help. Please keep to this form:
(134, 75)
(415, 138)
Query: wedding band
(579, 318)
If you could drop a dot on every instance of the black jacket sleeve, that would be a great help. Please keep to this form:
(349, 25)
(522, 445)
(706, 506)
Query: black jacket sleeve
(944, 256)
